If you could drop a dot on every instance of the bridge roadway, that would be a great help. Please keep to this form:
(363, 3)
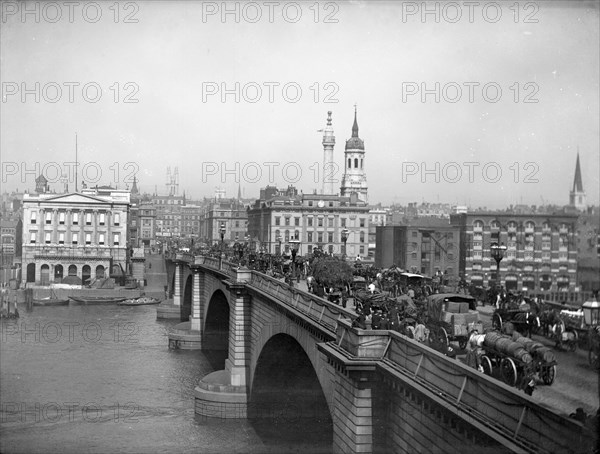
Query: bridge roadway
(380, 390)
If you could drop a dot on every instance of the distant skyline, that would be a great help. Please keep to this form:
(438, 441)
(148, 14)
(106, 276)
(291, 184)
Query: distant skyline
(513, 146)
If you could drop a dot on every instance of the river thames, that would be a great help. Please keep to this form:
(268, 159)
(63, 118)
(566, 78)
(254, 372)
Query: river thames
(101, 379)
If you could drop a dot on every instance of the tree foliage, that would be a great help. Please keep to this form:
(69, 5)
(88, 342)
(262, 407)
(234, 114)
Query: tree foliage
(331, 271)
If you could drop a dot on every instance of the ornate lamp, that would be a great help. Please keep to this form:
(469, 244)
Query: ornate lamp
(497, 252)
(591, 313)
(345, 233)
(222, 231)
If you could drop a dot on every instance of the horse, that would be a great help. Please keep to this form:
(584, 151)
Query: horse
(526, 323)
(548, 318)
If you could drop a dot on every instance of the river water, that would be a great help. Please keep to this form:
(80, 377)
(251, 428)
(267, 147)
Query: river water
(101, 379)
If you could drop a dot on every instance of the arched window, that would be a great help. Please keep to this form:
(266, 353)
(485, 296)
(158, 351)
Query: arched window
(478, 226)
(99, 272)
(58, 273)
(361, 163)
(45, 275)
(72, 270)
(349, 163)
(356, 163)
(86, 273)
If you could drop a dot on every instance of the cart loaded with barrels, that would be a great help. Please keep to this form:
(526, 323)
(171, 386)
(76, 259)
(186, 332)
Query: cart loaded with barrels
(518, 361)
(451, 317)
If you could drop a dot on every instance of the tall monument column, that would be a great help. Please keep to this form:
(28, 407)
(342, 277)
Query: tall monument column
(329, 171)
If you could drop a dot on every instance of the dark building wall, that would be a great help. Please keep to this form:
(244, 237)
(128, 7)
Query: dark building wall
(390, 246)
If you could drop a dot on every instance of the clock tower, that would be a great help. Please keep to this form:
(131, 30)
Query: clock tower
(354, 179)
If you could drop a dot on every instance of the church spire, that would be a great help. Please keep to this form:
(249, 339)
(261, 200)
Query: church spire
(577, 182)
(355, 125)
(134, 188)
(577, 196)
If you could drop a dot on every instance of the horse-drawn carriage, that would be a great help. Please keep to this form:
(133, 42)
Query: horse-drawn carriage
(400, 313)
(522, 317)
(518, 360)
(451, 317)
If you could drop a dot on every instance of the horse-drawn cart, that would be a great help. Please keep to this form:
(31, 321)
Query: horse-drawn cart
(521, 317)
(451, 317)
(517, 361)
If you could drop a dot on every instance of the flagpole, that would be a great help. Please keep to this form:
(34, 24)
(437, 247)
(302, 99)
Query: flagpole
(76, 162)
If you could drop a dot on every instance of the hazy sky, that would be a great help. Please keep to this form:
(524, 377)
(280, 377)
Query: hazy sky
(475, 146)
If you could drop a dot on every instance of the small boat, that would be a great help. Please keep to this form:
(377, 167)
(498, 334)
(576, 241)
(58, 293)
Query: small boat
(96, 299)
(51, 302)
(142, 301)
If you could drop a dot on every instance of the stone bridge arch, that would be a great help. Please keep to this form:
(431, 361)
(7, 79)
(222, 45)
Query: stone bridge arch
(216, 322)
(186, 302)
(287, 395)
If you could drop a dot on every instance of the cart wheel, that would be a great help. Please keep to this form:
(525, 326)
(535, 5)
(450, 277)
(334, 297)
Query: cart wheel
(462, 343)
(443, 338)
(496, 321)
(549, 374)
(509, 371)
(487, 365)
(593, 358)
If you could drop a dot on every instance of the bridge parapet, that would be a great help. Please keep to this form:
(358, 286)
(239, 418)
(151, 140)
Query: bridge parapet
(512, 418)
(184, 257)
(497, 406)
(323, 312)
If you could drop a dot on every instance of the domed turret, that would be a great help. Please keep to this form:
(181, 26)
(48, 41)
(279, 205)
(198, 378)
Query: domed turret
(355, 142)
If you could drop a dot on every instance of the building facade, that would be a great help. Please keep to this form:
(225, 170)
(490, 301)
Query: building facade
(146, 221)
(316, 220)
(10, 242)
(229, 212)
(541, 249)
(168, 210)
(81, 234)
(424, 247)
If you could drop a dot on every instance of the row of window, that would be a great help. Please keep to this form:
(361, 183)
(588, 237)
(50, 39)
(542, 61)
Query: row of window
(310, 221)
(310, 236)
(437, 257)
(529, 226)
(75, 218)
(75, 238)
(448, 235)
(527, 255)
(349, 166)
(331, 249)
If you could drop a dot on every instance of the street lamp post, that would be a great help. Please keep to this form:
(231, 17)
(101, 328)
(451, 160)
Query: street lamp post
(344, 239)
(222, 233)
(497, 252)
(294, 245)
